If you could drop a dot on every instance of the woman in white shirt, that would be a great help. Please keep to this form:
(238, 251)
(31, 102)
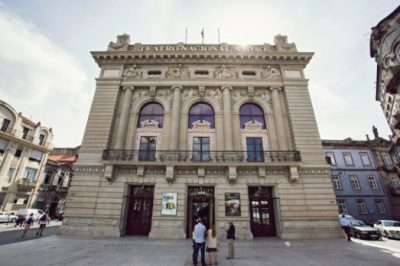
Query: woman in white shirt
(212, 244)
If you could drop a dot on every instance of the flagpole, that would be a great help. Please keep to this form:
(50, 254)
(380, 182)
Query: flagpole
(202, 36)
(186, 36)
(218, 37)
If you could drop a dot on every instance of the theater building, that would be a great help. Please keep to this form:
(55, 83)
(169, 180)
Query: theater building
(218, 131)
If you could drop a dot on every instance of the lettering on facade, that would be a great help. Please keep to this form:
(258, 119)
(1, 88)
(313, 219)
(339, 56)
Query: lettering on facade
(201, 48)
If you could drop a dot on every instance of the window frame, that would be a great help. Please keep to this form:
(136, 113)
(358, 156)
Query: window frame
(380, 206)
(337, 184)
(362, 207)
(342, 203)
(247, 116)
(257, 154)
(328, 155)
(152, 115)
(355, 184)
(149, 153)
(28, 174)
(386, 158)
(203, 115)
(204, 154)
(364, 156)
(4, 125)
(373, 184)
(345, 154)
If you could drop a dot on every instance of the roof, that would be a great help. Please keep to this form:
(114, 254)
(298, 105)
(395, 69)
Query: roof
(63, 158)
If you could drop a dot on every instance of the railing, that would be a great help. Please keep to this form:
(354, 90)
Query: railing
(199, 157)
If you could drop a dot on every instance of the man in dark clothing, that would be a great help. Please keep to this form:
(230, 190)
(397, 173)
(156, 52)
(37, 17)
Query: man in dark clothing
(230, 235)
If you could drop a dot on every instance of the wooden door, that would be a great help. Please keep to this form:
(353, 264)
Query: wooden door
(140, 210)
(262, 221)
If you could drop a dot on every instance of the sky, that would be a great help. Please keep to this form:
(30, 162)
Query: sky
(48, 74)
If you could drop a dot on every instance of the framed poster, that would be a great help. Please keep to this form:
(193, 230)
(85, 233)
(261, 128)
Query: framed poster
(169, 201)
(232, 204)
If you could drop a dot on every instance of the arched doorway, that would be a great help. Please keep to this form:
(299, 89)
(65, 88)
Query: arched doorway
(200, 204)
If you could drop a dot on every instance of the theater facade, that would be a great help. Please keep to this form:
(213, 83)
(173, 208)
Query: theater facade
(218, 131)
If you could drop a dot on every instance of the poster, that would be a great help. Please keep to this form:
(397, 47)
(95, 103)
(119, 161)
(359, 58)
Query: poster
(232, 204)
(169, 201)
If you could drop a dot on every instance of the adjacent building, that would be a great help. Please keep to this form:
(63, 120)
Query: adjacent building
(219, 131)
(57, 177)
(357, 180)
(24, 148)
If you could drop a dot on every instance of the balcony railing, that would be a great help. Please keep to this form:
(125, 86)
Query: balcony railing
(199, 157)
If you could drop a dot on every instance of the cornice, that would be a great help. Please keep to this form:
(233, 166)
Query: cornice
(201, 57)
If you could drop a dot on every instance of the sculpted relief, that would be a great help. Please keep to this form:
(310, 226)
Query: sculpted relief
(177, 72)
(223, 72)
(132, 72)
(272, 73)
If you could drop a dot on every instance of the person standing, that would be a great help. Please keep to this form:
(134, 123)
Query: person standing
(212, 244)
(28, 224)
(199, 233)
(345, 226)
(230, 235)
(43, 220)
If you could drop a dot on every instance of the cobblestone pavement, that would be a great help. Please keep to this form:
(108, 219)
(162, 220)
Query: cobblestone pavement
(61, 250)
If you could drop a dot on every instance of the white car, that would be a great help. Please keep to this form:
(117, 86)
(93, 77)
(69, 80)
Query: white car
(388, 228)
(36, 213)
(6, 217)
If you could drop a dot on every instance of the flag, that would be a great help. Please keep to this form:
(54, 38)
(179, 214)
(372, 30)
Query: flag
(202, 36)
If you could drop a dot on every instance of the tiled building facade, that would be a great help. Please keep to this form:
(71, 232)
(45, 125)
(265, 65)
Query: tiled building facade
(356, 177)
(24, 148)
(224, 132)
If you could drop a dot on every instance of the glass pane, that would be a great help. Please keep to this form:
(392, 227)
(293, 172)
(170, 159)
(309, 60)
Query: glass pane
(196, 141)
(196, 156)
(206, 156)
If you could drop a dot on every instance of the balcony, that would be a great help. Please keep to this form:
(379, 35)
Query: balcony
(218, 157)
(25, 184)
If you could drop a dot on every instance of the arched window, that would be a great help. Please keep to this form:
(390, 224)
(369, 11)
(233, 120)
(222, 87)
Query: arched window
(202, 112)
(251, 112)
(151, 111)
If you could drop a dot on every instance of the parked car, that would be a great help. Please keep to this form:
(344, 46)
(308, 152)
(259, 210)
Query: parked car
(6, 217)
(361, 230)
(388, 228)
(27, 212)
(347, 216)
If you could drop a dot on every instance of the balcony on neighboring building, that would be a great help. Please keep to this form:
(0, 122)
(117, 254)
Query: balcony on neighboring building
(25, 183)
(394, 189)
(201, 156)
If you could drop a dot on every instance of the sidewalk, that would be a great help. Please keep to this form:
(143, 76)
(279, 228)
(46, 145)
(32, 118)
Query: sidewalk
(61, 250)
(11, 226)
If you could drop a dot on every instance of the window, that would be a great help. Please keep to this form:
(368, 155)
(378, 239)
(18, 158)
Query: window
(3, 145)
(255, 151)
(41, 139)
(380, 206)
(154, 73)
(342, 206)
(337, 184)
(30, 174)
(36, 156)
(60, 178)
(25, 132)
(201, 149)
(330, 158)
(202, 112)
(47, 177)
(10, 173)
(152, 111)
(365, 159)
(396, 182)
(348, 160)
(387, 161)
(372, 183)
(5, 124)
(147, 149)
(361, 207)
(18, 153)
(355, 184)
(201, 72)
(248, 73)
(251, 112)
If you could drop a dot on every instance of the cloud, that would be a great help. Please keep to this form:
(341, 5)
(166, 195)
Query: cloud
(41, 80)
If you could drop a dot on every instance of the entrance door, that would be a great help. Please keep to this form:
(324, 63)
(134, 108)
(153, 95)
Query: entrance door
(140, 210)
(262, 220)
(200, 204)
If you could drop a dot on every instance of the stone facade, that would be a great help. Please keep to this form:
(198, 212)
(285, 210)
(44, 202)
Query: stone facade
(223, 78)
(24, 148)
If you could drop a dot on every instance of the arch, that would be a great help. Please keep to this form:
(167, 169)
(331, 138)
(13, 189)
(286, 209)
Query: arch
(189, 103)
(151, 111)
(137, 106)
(264, 106)
(251, 112)
(201, 111)
(9, 113)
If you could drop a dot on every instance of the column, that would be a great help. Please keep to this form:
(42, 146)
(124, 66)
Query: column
(123, 119)
(176, 110)
(227, 118)
(280, 128)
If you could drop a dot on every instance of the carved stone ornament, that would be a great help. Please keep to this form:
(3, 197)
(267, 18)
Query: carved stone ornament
(238, 94)
(216, 94)
(223, 72)
(131, 73)
(177, 72)
(272, 73)
(121, 44)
